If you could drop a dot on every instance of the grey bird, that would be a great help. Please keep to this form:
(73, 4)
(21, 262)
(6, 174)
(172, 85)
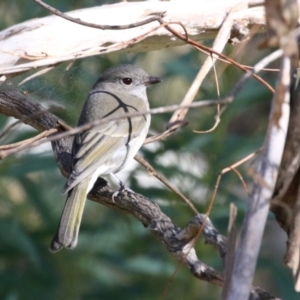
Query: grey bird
(107, 148)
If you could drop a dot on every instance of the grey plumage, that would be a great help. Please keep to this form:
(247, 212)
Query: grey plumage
(106, 148)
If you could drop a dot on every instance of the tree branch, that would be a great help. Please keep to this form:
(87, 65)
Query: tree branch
(55, 41)
(264, 184)
(103, 27)
(179, 242)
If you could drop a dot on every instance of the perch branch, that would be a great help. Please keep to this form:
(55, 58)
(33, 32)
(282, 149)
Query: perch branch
(177, 241)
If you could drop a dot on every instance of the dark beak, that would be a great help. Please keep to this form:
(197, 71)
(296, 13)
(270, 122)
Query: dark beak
(151, 80)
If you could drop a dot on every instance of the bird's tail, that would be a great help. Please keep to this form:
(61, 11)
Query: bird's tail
(67, 233)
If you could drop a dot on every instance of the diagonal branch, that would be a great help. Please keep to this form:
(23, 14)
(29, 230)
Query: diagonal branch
(219, 44)
(179, 242)
(57, 43)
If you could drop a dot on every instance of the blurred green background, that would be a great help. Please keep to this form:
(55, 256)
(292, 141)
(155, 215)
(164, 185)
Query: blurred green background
(116, 257)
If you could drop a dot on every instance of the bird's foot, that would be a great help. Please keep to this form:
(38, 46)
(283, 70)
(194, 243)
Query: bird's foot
(121, 190)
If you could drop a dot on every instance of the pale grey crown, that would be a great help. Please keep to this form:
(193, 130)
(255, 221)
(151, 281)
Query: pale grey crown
(126, 78)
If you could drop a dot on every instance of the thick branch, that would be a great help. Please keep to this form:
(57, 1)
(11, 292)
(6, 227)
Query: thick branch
(55, 40)
(264, 183)
(13, 103)
(179, 242)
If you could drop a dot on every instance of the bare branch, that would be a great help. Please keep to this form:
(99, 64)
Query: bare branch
(56, 12)
(88, 126)
(219, 44)
(221, 56)
(153, 172)
(4, 150)
(56, 43)
(177, 241)
(259, 203)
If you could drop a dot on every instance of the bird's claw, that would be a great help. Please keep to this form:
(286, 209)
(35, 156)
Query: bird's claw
(120, 191)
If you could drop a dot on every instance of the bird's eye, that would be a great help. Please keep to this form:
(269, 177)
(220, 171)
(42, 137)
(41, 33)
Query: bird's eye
(127, 81)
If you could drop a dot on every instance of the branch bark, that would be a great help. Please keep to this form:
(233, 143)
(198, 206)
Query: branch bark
(264, 184)
(56, 42)
(286, 198)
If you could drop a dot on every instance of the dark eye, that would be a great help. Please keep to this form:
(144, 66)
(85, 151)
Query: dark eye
(127, 81)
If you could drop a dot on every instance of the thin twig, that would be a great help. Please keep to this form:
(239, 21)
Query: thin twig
(157, 16)
(24, 120)
(39, 73)
(125, 44)
(16, 147)
(88, 126)
(154, 173)
(227, 169)
(257, 67)
(28, 141)
(220, 55)
(241, 178)
(219, 44)
(217, 121)
(165, 134)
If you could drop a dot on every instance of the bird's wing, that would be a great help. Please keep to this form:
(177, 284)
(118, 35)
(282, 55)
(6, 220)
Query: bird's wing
(95, 148)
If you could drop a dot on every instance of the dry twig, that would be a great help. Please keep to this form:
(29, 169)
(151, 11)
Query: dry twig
(78, 129)
(154, 17)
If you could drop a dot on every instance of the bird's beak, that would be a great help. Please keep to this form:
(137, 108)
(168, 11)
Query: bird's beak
(151, 80)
